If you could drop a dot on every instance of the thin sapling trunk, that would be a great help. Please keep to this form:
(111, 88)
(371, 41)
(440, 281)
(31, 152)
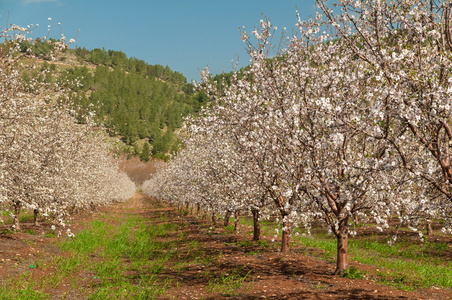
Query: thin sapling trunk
(214, 218)
(17, 206)
(236, 221)
(429, 228)
(257, 226)
(285, 234)
(35, 217)
(226, 218)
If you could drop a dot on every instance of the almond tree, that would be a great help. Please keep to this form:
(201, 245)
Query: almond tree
(407, 48)
(211, 173)
(336, 114)
(236, 172)
(48, 161)
(305, 107)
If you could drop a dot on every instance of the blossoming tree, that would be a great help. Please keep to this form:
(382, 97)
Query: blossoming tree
(49, 162)
(406, 46)
(344, 121)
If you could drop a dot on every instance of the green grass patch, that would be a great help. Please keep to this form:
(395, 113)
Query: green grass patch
(405, 265)
(122, 261)
(228, 284)
(264, 244)
(6, 231)
(30, 231)
(148, 287)
(353, 273)
(252, 253)
(23, 288)
(244, 244)
(88, 241)
(230, 229)
(26, 217)
(132, 248)
(246, 221)
(50, 234)
(26, 293)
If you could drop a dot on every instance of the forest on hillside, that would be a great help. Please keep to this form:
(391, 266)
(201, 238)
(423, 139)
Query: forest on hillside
(132, 99)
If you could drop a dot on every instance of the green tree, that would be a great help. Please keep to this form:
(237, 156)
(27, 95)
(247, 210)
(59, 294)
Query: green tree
(144, 156)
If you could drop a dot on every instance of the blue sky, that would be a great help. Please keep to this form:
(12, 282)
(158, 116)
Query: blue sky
(186, 35)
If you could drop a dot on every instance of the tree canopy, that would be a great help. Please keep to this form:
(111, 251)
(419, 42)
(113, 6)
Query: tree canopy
(132, 99)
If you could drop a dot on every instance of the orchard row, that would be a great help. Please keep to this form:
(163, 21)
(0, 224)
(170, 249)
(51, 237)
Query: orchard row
(49, 162)
(347, 121)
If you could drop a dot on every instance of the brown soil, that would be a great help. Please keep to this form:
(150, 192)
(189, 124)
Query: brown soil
(271, 274)
(137, 170)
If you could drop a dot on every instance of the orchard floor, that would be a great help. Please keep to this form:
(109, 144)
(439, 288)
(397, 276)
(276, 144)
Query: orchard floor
(229, 265)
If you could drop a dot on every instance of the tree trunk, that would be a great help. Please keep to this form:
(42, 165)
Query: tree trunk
(17, 206)
(285, 236)
(342, 251)
(236, 221)
(257, 225)
(226, 218)
(214, 219)
(72, 210)
(35, 217)
(429, 228)
(198, 208)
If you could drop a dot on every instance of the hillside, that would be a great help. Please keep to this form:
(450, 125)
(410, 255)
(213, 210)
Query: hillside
(137, 102)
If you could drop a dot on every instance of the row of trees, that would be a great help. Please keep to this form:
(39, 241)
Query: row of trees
(118, 59)
(49, 162)
(349, 122)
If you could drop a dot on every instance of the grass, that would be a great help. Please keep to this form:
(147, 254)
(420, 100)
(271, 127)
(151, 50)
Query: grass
(264, 244)
(252, 252)
(26, 293)
(244, 244)
(131, 241)
(50, 234)
(353, 273)
(30, 231)
(23, 288)
(131, 257)
(229, 229)
(121, 262)
(228, 284)
(406, 265)
(246, 221)
(26, 217)
(6, 231)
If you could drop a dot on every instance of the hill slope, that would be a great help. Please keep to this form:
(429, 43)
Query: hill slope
(132, 99)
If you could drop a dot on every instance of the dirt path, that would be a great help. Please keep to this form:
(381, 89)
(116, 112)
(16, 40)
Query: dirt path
(210, 259)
